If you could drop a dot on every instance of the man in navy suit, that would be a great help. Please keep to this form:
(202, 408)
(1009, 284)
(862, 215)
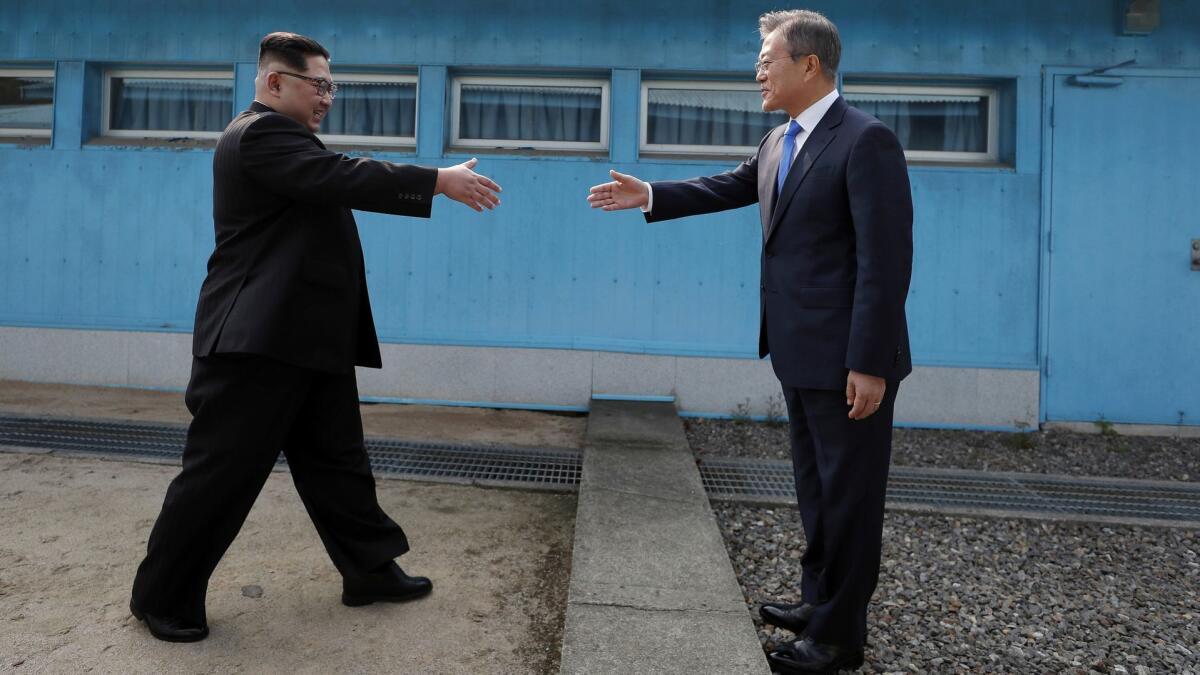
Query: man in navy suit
(836, 208)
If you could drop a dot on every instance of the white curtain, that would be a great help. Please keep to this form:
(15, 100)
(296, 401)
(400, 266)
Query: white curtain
(530, 113)
(373, 109)
(952, 125)
(171, 105)
(707, 117)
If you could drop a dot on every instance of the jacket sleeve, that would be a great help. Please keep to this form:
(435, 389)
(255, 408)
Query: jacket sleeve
(707, 194)
(882, 214)
(281, 156)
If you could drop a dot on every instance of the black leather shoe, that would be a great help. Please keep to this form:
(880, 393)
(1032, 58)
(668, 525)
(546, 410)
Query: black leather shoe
(789, 617)
(805, 657)
(390, 585)
(170, 629)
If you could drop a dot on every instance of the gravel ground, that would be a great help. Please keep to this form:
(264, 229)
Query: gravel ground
(1053, 452)
(980, 595)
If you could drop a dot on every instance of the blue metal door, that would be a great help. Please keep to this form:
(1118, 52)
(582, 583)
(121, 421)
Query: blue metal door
(1123, 313)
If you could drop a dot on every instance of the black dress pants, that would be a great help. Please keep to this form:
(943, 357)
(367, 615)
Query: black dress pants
(245, 410)
(841, 469)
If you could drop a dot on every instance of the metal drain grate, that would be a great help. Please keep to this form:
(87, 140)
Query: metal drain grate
(763, 480)
(552, 469)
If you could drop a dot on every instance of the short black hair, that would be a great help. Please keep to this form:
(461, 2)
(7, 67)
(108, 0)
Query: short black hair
(291, 48)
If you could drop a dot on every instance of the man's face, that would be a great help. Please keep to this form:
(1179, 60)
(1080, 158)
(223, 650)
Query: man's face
(298, 98)
(785, 83)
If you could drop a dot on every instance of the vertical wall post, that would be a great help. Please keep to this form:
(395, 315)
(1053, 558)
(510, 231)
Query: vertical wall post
(625, 113)
(243, 86)
(431, 116)
(68, 130)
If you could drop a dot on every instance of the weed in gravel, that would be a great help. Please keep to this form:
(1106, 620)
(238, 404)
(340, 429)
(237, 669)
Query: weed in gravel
(1021, 440)
(1106, 428)
(776, 411)
(741, 413)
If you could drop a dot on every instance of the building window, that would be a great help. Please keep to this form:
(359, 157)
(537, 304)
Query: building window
(940, 124)
(26, 102)
(167, 104)
(529, 113)
(704, 118)
(373, 109)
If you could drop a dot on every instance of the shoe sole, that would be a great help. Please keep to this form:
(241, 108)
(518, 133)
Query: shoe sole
(363, 600)
(853, 664)
(165, 638)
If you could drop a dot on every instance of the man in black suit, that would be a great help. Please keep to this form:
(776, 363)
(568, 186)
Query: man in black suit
(282, 320)
(836, 209)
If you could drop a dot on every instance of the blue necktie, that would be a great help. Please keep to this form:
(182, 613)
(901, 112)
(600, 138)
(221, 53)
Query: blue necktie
(789, 149)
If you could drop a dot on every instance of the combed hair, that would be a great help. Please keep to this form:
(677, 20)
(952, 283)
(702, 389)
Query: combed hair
(291, 48)
(806, 32)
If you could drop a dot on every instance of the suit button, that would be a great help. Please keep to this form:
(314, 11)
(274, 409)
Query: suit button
(770, 255)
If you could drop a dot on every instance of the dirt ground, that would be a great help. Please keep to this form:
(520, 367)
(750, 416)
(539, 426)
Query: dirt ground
(475, 426)
(73, 529)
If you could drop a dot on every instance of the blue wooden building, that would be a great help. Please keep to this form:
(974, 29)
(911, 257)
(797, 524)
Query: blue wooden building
(1054, 154)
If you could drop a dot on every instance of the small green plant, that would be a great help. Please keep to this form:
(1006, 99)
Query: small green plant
(741, 412)
(776, 411)
(1106, 428)
(1021, 440)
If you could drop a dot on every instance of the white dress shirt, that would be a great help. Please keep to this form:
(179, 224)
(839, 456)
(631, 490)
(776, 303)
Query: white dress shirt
(808, 120)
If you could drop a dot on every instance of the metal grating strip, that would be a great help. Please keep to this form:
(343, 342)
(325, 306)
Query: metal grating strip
(731, 479)
(553, 469)
(735, 479)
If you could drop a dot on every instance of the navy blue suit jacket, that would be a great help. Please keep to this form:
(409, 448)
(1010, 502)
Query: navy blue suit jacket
(837, 247)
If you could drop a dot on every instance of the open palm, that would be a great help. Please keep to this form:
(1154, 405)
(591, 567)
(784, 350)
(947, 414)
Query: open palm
(623, 192)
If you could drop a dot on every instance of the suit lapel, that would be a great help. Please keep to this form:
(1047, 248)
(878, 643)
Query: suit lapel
(816, 143)
(768, 169)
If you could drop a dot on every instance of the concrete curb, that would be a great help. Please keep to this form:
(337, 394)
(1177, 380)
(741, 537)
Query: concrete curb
(652, 588)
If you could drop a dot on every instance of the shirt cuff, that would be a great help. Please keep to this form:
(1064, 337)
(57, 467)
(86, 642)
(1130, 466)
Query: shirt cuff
(649, 199)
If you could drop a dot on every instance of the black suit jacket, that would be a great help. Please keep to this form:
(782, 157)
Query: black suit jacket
(286, 279)
(837, 247)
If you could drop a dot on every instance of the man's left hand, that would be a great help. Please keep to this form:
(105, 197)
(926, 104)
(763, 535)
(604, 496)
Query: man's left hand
(865, 393)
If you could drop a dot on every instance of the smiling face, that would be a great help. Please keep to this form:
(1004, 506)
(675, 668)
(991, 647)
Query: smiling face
(788, 84)
(295, 97)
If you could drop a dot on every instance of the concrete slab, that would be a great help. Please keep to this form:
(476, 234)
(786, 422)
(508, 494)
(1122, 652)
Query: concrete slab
(639, 471)
(623, 640)
(652, 589)
(634, 423)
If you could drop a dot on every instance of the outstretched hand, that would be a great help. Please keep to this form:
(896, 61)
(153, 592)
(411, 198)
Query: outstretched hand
(624, 192)
(462, 184)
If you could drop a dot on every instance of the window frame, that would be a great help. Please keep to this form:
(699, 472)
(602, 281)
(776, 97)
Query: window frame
(661, 149)
(14, 132)
(161, 74)
(456, 141)
(992, 94)
(404, 142)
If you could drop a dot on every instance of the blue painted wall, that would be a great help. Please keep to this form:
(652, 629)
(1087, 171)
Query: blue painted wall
(103, 236)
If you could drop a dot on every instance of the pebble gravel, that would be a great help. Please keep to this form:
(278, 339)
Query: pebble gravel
(1048, 452)
(980, 595)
